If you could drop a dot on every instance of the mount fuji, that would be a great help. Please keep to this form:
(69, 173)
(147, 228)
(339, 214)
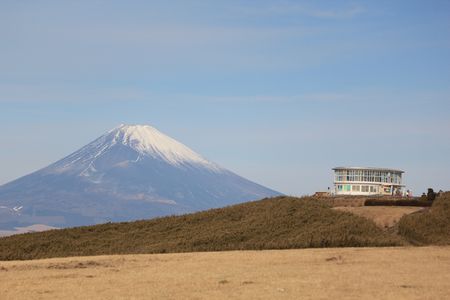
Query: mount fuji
(131, 172)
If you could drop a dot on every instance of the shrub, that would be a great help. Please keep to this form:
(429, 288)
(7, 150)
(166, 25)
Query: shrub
(399, 202)
(431, 195)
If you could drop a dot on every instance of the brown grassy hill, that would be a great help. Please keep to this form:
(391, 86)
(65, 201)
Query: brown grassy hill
(276, 223)
(429, 227)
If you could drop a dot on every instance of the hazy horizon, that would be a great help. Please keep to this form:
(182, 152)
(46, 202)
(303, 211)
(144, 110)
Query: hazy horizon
(279, 92)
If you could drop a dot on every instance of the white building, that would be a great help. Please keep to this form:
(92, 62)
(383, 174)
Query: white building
(367, 181)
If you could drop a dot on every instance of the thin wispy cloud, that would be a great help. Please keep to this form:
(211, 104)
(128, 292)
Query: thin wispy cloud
(335, 14)
(44, 93)
(295, 8)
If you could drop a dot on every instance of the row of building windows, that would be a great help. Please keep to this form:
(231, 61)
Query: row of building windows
(368, 176)
(357, 188)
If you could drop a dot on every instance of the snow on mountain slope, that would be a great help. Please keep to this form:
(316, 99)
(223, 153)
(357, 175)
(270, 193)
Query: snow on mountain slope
(145, 140)
(148, 141)
(131, 172)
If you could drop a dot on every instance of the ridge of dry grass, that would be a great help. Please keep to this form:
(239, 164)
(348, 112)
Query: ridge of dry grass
(430, 227)
(275, 223)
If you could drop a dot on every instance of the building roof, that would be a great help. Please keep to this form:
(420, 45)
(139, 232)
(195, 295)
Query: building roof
(369, 168)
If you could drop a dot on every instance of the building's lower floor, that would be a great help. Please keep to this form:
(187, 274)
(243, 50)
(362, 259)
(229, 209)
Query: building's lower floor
(381, 189)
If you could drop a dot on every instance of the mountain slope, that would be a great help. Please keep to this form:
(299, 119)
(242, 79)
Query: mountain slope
(129, 173)
(276, 223)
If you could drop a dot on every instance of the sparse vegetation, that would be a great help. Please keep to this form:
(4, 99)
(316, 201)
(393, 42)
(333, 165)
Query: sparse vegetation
(386, 217)
(276, 223)
(431, 226)
(344, 273)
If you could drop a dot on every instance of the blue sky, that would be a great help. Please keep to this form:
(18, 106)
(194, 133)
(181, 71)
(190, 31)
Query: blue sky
(277, 91)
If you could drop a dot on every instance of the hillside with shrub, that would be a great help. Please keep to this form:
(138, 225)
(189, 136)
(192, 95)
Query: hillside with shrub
(275, 223)
(431, 227)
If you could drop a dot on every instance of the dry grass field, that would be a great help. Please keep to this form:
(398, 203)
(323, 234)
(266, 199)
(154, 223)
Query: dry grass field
(383, 216)
(333, 273)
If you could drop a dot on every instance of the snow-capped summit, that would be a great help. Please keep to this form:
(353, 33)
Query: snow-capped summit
(141, 141)
(131, 172)
(147, 140)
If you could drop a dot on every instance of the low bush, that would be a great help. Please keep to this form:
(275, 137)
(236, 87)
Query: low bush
(399, 202)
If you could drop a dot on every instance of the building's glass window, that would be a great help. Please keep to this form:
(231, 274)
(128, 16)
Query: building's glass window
(356, 188)
(373, 189)
(368, 175)
(365, 188)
